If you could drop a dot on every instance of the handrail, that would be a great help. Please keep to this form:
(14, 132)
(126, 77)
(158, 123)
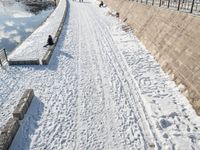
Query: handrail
(3, 56)
(189, 6)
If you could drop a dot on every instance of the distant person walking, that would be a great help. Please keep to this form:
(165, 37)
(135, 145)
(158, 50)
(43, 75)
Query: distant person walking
(49, 41)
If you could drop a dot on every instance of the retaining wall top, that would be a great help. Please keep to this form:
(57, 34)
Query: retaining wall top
(32, 47)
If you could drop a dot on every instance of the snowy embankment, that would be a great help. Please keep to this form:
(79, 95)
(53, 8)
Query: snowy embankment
(101, 90)
(32, 48)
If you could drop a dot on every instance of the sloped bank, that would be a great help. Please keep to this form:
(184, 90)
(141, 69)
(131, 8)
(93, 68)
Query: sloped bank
(172, 37)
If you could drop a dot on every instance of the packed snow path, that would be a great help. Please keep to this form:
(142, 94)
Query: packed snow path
(102, 90)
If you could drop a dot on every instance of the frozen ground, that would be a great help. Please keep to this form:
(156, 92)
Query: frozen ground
(32, 47)
(102, 90)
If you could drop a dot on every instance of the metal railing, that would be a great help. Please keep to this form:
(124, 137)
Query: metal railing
(3, 57)
(190, 6)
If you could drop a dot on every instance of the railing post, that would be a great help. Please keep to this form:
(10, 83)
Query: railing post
(179, 2)
(1, 63)
(168, 4)
(192, 6)
(160, 3)
(5, 54)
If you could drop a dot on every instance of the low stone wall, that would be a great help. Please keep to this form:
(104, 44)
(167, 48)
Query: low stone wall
(46, 58)
(11, 127)
(23, 104)
(3, 57)
(172, 37)
(8, 133)
(24, 62)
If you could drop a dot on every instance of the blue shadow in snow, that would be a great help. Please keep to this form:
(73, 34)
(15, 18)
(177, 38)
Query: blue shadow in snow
(28, 125)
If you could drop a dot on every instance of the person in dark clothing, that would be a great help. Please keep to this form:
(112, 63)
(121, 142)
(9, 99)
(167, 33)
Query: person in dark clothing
(49, 41)
(101, 4)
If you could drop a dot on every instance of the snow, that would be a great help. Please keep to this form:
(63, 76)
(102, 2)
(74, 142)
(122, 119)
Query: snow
(102, 90)
(32, 47)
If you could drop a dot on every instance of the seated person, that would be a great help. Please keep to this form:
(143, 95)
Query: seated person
(49, 41)
(101, 4)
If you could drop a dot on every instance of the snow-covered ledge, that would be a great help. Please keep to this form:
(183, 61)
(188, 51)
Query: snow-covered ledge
(32, 48)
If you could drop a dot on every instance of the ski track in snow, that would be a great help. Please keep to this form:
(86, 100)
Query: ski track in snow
(102, 90)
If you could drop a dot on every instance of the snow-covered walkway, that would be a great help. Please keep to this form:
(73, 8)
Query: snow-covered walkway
(102, 90)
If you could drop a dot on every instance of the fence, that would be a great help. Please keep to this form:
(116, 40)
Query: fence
(3, 57)
(190, 6)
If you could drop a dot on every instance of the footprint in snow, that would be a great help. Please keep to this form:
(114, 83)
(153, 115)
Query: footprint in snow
(165, 123)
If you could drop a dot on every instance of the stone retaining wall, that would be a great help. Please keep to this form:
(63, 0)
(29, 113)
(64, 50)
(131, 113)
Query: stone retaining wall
(46, 58)
(24, 62)
(172, 37)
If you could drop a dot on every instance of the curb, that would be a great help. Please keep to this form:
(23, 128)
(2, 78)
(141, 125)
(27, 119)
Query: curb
(46, 58)
(23, 104)
(11, 127)
(8, 133)
(24, 62)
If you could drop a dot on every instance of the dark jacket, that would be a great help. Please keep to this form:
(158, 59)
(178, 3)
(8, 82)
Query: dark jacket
(50, 41)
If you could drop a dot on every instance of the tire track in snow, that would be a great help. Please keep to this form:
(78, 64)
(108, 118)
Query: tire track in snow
(127, 82)
(161, 92)
(87, 70)
(123, 124)
(90, 135)
(167, 140)
(111, 126)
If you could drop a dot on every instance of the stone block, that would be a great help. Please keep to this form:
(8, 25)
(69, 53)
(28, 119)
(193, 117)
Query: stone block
(3, 142)
(46, 58)
(23, 104)
(28, 95)
(56, 39)
(8, 133)
(24, 62)
(182, 87)
(57, 34)
(20, 110)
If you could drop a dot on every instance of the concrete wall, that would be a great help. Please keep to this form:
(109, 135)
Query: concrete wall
(172, 37)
